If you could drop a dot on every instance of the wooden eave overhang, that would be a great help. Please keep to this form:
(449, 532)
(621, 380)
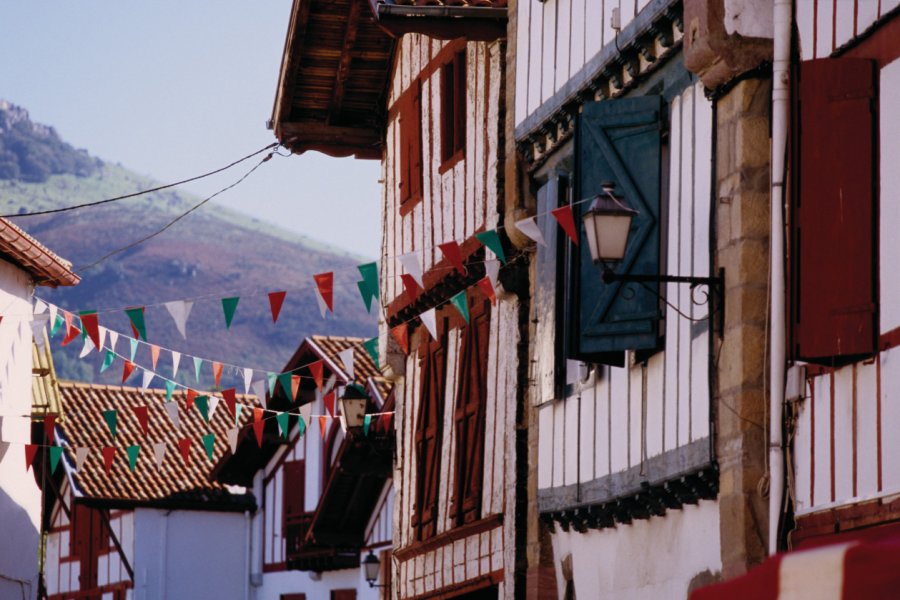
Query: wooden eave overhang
(482, 21)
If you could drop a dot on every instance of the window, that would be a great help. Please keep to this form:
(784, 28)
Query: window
(453, 110)
(410, 150)
(428, 437)
(834, 296)
(294, 497)
(89, 539)
(343, 594)
(292, 597)
(469, 416)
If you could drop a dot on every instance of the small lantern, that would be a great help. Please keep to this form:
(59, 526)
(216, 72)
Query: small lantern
(372, 566)
(353, 406)
(607, 223)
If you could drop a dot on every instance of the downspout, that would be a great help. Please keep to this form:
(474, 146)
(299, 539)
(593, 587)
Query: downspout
(247, 555)
(782, 14)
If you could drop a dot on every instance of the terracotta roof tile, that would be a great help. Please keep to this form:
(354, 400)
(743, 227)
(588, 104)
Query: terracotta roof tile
(363, 365)
(45, 266)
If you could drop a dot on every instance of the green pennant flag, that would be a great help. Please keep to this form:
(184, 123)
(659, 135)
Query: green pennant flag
(202, 404)
(367, 421)
(460, 303)
(108, 360)
(492, 241)
(57, 323)
(283, 419)
(371, 347)
(301, 425)
(170, 387)
(198, 362)
(285, 380)
(133, 452)
(136, 316)
(369, 272)
(208, 442)
(134, 346)
(366, 294)
(272, 377)
(229, 305)
(55, 454)
(237, 414)
(110, 417)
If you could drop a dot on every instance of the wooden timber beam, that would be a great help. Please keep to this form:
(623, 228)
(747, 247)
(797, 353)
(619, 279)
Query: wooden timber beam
(293, 43)
(343, 71)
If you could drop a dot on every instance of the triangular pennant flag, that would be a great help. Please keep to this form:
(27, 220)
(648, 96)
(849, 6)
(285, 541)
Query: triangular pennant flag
(325, 288)
(184, 446)
(55, 324)
(154, 355)
(113, 340)
(110, 416)
(346, 357)
(170, 388)
(50, 427)
(213, 404)
(369, 272)
(301, 427)
(86, 349)
(103, 332)
(109, 454)
(53, 312)
(172, 409)
(230, 400)
(133, 452)
(401, 334)
(273, 379)
(39, 306)
(81, 455)
(179, 310)
(71, 330)
(248, 377)
(491, 240)
(485, 284)
(159, 453)
(429, 320)
(90, 325)
(322, 425)
(461, 304)
(55, 455)
(295, 386)
(492, 271)
(209, 441)
(367, 421)
(136, 316)
(328, 399)
(258, 414)
(142, 414)
(411, 287)
(276, 300)
(258, 431)
(412, 266)
(232, 436)
(385, 422)
(317, 370)
(529, 228)
(198, 362)
(237, 414)
(127, 370)
(176, 359)
(453, 254)
(284, 379)
(283, 419)
(108, 360)
(259, 390)
(371, 346)
(306, 413)
(229, 305)
(365, 293)
(30, 452)
(202, 404)
(38, 324)
(133, 349)
(147, 379)
(564, 216)
(217, 373)
(189, 399)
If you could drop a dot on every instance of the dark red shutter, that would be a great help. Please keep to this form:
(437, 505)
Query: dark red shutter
(459, 108)
(294, 496)
(428, 439)
(833, 299)
(415, 145)
(343, 595)
(89, 539)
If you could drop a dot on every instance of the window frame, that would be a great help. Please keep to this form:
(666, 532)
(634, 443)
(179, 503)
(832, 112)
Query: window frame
(454, 92)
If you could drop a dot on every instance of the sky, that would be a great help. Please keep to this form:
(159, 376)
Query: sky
(175, 88)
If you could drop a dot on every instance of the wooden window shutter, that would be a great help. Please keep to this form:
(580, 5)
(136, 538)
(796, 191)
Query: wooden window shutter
(470, 414)
(618, 141)
(294, 497)
(415, 143)
(409, 118)
(833, 292)
(428, 439)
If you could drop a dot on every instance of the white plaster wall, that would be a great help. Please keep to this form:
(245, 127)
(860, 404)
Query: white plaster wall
(647, 560)
(305, 582)
(20, 497)
(189, 554)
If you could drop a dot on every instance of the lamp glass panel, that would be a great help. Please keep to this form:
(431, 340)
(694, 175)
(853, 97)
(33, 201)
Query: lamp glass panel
(590, 230)
(372, 565)
(613, 236)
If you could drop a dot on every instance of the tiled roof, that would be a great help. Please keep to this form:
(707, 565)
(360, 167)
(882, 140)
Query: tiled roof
(46, 267)
(474, 3)
(174, 484)
(363, 366)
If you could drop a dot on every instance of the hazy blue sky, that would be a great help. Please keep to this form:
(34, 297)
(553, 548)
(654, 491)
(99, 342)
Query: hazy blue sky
(173, 88)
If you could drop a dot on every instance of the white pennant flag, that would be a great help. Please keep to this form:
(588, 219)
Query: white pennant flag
(329, 384)
(53, 312)
(248, 376)
(159, 451)
(88, 346)
(176, 358)
(213, 404)
(39, 306)
(259, 390)
(492, 269)
(347, 359)
(113, 338)
(172, 409)
(429, 320)
(102, 331)
(148, 377)
(412, 265)
(180, 309)
(530, 228)
(323, 308)
(80, 456)
(306, 413)
(232, 435)
(37, 329)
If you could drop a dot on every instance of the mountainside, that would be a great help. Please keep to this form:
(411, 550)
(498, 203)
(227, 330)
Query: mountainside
(211, 254)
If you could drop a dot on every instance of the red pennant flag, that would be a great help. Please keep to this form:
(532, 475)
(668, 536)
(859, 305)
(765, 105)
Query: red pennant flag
(230, 400)
(329, 402)
(258, 415)
(217, 373)
(258, 425)
(563, 214)
(276, 300)
(50, 427)
(325, 283)
(127, 370)
(488, 288)
(385, 422)
(189, 401)
(401, 334)
(454, 255)
(109, 453)
(30, 452)
(184, 445)
(322, 420)
(141, 413)
(295, 386)
(154, 355)
(316, 370)
(411, 287)
(91, 325)
(71, 331)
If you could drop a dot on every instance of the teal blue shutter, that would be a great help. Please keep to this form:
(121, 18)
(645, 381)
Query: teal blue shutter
(619, 141)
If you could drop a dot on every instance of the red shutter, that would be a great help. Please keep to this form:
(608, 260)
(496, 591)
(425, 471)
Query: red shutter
(410, 150)
(428, 439)
(415, 146)
(459, 105)
(343, 595)
(294, 479)
(833, 310)
(453, 107)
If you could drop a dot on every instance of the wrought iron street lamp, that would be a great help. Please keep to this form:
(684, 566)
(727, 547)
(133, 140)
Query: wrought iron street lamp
(372, 566)
(353, 406)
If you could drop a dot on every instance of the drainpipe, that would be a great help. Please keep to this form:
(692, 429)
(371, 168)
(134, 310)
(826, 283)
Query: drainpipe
(247, 555)
(782, 14)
